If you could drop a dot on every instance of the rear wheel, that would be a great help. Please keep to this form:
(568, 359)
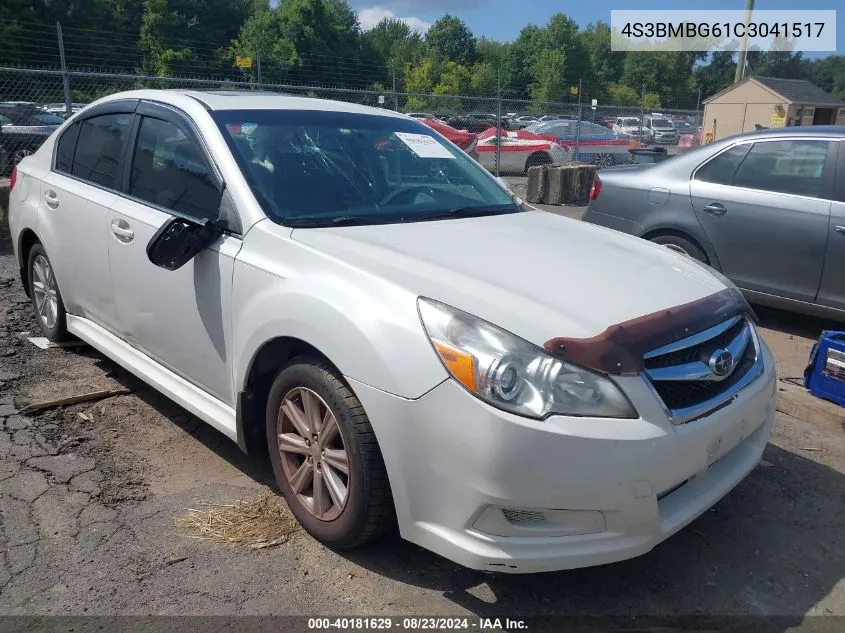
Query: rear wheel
(325, 456)
(681, 245)
(604, 160)
(536, 159)
(44, 293)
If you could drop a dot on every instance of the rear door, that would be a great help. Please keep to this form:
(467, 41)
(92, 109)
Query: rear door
(765, 206)
(73, 211)
(832, 290)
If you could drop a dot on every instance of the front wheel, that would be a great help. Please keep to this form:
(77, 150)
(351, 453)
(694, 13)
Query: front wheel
(325, 456)
(537, 159)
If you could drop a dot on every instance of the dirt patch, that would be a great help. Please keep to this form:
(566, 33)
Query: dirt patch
(260, 522)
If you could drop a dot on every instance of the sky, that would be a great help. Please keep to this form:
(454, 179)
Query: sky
(503, 19)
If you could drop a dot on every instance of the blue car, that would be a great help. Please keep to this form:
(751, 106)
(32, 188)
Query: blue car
(598, 145)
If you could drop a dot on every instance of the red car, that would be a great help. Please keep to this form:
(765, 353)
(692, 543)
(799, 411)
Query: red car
(467, 141)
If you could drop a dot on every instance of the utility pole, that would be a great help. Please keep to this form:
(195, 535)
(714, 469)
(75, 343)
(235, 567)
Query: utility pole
(743, 46)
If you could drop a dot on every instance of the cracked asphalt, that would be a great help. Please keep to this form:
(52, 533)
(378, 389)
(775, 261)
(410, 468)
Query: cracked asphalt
(88, 509)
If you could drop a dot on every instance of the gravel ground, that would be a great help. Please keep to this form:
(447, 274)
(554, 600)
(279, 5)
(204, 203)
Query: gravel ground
(88, 510)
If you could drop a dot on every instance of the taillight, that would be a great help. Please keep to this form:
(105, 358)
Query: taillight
(595, 190)
(13, 178)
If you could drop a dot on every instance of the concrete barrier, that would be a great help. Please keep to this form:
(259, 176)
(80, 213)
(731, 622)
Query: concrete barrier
(4, 198)
(560, 184)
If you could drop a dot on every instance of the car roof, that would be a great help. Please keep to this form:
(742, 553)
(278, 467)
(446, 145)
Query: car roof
(834, 131)
(216, 100)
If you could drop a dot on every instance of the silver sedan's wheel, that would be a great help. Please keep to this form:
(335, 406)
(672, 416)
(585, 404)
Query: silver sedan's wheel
(45, 292)
(313, 454)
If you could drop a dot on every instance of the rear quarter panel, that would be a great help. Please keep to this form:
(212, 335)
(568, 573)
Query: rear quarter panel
(643, 201)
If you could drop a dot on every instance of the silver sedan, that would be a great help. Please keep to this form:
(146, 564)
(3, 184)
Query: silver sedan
(766, 209)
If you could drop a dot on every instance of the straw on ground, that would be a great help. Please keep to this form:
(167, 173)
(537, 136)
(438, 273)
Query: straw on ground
(263, 521)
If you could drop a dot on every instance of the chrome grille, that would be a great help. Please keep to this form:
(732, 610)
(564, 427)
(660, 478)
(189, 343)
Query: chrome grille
(690, 382)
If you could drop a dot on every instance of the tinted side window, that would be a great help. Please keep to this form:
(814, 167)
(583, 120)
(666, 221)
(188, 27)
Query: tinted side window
(169, 170)
(784, 166)
(721, 169)
(99, 151)
(65, 148)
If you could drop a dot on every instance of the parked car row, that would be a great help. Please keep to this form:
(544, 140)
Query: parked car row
(25, 125)
(342, 289)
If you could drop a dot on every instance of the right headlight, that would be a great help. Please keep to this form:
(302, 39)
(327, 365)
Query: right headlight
(514, 375)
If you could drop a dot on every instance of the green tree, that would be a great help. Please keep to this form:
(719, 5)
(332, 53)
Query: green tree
(392, 44)
(666, 73)
(549, 83)
(450, 39)
(607, 65)
(623, 95)
(651, 100)
(170, 30)
(262, 39)
(717, 74)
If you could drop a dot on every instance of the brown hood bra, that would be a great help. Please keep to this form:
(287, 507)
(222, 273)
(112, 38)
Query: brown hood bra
(621, 347)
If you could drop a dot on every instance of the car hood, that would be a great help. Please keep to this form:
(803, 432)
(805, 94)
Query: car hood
(533, 273)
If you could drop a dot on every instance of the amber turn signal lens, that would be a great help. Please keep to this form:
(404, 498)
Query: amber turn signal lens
(459, 363)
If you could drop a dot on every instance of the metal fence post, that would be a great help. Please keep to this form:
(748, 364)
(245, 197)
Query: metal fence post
(258, 64)
(65, 75)
(578, 128)
(642, 113)
(498, 121)
(395, 95)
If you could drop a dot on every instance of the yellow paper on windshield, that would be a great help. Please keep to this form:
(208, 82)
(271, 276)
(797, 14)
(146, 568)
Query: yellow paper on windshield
(424, 146)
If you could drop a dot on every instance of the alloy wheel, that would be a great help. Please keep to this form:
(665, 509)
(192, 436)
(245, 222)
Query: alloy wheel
(603, 160)
(313, 454)
(45, 291)
(20, 154)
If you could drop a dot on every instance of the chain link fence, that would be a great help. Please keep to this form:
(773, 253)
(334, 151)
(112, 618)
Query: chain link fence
(34, 101)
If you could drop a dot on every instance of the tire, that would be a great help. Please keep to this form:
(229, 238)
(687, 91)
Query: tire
(367, 509)
(536, 159)
(604, 160)
(681, 245)
(45, 295)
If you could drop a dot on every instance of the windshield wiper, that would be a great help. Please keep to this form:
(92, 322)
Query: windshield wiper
(467, 212)
(343, 220)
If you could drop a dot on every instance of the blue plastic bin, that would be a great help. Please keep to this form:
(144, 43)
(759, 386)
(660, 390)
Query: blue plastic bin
(825, 374)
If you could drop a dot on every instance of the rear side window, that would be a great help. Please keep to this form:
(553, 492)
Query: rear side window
(170, 171)
(99, 150)
(720, 170)
(795, 167)
(65, 148)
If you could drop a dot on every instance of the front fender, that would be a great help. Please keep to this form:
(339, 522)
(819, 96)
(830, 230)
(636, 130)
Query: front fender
(369, 329)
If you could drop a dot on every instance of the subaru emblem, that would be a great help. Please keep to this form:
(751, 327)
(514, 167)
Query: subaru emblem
(721, 362)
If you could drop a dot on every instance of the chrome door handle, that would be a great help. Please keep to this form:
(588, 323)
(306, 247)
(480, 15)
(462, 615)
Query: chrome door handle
(714, 208)
(840, 229)
(51, 199)
(122, 231)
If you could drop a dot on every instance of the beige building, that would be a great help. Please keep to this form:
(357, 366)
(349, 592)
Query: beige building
(769, 102)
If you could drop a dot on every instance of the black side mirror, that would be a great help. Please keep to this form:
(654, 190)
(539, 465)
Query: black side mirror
(179, 240)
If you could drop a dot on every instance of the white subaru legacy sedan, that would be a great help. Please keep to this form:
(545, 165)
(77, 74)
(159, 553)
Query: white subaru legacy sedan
(343, 288)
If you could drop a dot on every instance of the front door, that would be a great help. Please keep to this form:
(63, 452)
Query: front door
(182, 318)
(765, 208)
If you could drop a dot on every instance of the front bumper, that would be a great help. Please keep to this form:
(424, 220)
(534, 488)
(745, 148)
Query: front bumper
(608, 489)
